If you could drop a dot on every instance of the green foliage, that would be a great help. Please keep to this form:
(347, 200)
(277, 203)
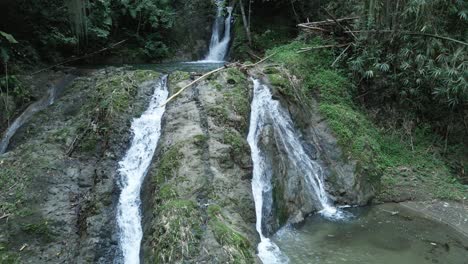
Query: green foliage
(168, 164)
(421, 75)
(378, 153)
(64, 28)
(177, 235)
(234, 244)
(6, 40)
(239, 147)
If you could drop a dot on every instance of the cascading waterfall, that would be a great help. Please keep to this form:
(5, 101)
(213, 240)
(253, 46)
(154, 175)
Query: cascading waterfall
(261, 181)
(265, 110)
(133, 169)
(221, 35)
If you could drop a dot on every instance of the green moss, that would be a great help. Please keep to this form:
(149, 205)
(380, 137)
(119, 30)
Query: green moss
(277, 79)
(235, 76)
(178, 76)
(178, 231)
(109, 97)
(14, 179)
(219, 113)
(238, 144)
(168, 164)
(7, 256)
(279, 203)
(200, 140)
(237, 246)
(213, 210)
(40, 229)
(141, 76)
(167, 192)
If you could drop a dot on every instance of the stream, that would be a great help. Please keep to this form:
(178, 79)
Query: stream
(133, 168)
(146, 132)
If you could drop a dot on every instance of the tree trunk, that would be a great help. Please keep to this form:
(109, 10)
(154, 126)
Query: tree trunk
(246, 25)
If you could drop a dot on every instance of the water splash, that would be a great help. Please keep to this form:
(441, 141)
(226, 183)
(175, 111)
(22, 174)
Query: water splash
(133, 169)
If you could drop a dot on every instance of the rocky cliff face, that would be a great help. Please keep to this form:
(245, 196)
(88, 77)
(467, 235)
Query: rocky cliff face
(58, 182)
(198, 206)
(345, 181)
(59, 191)
(192, 30)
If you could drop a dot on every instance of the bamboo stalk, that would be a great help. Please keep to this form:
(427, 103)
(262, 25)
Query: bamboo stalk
(212, 72)
(192, 83)
(409, 33)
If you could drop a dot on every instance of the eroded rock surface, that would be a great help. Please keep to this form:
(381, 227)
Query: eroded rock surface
(58, 186)
(198, 206)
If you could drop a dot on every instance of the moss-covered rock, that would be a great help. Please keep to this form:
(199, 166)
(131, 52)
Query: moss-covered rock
(203, 131)
(60, 172)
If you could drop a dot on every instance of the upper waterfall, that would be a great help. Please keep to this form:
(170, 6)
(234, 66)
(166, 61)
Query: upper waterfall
(221, 36)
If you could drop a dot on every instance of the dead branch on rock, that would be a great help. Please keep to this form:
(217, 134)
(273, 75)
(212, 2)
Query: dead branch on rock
(327, 26)
(260, 61)
(192, 83)
(231, 65)
(323, 47)
(4, 216)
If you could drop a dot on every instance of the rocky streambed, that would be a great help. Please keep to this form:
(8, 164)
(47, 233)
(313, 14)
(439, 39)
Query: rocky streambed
(59, 180)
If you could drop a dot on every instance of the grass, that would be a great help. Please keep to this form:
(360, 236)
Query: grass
(239, 146)
(178, 231)
(235, 245)
(381, 156)
(235, 99)
(168, 164)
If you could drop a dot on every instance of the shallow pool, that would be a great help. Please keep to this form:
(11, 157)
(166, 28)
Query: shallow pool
(384, 234)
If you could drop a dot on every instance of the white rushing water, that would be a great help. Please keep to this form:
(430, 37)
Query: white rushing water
(221, 36)
(265, 110)
(261, 181)
(133, 168)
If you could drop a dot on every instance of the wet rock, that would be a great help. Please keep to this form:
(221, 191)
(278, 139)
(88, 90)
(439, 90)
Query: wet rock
(200, 172)
(64, 201)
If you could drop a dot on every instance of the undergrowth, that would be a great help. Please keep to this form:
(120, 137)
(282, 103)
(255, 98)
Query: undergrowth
(393, 159)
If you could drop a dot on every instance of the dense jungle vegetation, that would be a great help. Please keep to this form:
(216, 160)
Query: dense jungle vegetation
(404, 62)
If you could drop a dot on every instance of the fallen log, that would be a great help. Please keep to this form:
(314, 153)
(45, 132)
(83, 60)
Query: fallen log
(323, 47)
(242, 67)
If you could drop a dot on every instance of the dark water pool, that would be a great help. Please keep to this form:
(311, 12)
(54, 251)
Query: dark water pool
(384, 234)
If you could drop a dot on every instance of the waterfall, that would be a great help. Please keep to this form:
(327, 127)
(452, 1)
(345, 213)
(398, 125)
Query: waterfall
(265, 110)
(261, 181)
(221, 35)
(133, 168)
(35, 107)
